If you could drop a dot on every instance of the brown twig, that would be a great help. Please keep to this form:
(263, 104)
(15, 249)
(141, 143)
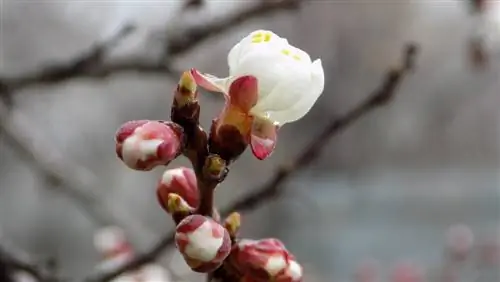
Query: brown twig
(190, 38)
(89, 64)
(13, 264)
(92, 64)
(381, 96)
(69, 178)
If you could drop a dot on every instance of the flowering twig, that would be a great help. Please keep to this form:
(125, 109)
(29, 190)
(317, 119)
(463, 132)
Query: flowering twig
(93, 63)
(383, 95)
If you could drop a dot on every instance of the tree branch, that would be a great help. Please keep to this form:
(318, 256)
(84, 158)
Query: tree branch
(12, 263)
(93, 63)
(77, 182)
(88, 64)
(380, 97)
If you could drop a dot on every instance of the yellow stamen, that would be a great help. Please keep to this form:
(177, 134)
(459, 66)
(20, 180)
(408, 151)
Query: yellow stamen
(285, 52)
(267, 37)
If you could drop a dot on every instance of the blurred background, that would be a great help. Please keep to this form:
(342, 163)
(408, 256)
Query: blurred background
(382, 196)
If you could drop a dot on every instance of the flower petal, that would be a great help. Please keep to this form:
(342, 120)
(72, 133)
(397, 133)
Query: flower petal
(263, 137)
(294, 84)
(233, 56)
(210, 82)
(256, 40)
(270, 69)
(243, 93)
(304, 105)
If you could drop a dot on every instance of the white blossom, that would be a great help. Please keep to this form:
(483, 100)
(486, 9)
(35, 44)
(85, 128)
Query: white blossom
(289, 83)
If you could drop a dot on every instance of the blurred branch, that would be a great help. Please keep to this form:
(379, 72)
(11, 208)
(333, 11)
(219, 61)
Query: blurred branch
(192, 37)
(380, 97)
(75, 181)
(10, 263)
(94, 64)
(90, 63)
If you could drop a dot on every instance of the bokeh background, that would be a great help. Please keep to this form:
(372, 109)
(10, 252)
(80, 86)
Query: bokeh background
(388, 188)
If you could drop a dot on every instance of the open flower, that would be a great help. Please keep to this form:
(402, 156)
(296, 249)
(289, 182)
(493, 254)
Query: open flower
(265, 260)
(145, 144)
(270, 83)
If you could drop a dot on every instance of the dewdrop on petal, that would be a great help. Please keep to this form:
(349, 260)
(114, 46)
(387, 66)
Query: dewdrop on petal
(203, 243)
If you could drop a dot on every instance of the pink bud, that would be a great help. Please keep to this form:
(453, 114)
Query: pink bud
(459, 241)
(145, 144)
(181, 181)
(449, 274)
(489, 252)
(266, 260)
(407, 272)
(203, 242)
(367, 271)
(113, 246)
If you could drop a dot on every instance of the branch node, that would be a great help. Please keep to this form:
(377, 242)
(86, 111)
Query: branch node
(215, 168)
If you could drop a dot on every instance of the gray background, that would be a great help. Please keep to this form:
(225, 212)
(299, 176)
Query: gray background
(388, 187)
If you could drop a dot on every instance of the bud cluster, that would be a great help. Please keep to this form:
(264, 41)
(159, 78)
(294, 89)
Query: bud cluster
(207, 244)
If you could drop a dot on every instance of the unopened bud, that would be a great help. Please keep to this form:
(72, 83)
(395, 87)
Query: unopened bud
(266, 260)
(113, 246)
(186, 90)
(181, 181)
(203, 243)
(176, 204)
(367, 271)
(145, 144)
(215, 168)
(459, 241)
(233, 223)
(407, 272)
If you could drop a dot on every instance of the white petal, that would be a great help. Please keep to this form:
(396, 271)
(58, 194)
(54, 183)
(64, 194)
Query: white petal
(304, 105)
(294, 83)
(233, 56)
(299, 54)
(211, 82)
(267, 67)
(256, 41)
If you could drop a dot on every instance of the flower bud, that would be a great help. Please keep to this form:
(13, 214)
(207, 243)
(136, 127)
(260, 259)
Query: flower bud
(145, 144)
(232, 224)
(459, 241)
(181, 181)
(186, 90)
(489, 250)
(367, 271)
(203, 243)
(407, 272)
(113, 246)
(176, 204)
(266, 260)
